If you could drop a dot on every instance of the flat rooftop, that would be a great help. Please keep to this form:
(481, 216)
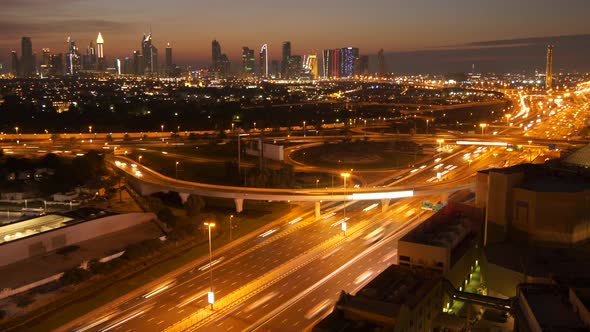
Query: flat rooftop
(447, 228)
(549, 177)
(378, 304)
(37, 225)
(551, 308)
(29, 227)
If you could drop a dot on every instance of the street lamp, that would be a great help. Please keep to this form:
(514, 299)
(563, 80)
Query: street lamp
(16, 129)
(483, 125)
(230, 226)
(210, 294)
(317, 183)
(139, 159)
(303, 128)
(508, 116)
(176, 169)
(90, 129)
(345, 176)
(162, 128)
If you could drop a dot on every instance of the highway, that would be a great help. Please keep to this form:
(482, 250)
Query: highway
(288, 275)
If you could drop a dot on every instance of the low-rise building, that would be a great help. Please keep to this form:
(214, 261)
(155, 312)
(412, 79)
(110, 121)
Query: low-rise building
(551, 307)
(398, 299)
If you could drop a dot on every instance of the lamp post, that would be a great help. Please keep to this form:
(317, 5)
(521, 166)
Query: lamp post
(483, 126)
(90, 129)
(210, 294)
(303, 128)
(508, 116)
(139, 159)
(16, 129)
(176, 169)
(162, 128)
(317, 183)
(345, 176)
(230, 226)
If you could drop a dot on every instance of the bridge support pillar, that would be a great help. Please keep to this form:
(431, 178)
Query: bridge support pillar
(444, 198)
(239, 204)
(184, 197)
(318, 212)
(384, 204)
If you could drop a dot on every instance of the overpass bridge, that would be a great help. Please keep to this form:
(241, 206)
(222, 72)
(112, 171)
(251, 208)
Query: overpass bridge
(146, 181)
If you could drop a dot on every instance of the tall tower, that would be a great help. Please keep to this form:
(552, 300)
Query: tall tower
(248, 61)
(216, 56)
(149, 55)
(549, 69)
(15, 63)
(27, 59)
(99, 52)
(264, 61)
(168, 60)
(381, 63)
(285, 59)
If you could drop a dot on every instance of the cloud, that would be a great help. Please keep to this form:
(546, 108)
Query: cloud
(22, 4)
(59, 27)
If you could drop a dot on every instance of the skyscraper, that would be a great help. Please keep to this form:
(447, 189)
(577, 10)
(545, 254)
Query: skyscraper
(549, 68)
(137, 63)
(363, 67)
(100, 53)
(27, 60)
(310, 66)
(149, 55)
(348, 58)
(45, 62)
(285, 59)
(169, 68)
(248, 61)
(295, 66)
(73, 64)
(264, 61)
(57, 65)
(215, 56)
(15, 63)
(220, 62)
(381, 64)
(89, 59)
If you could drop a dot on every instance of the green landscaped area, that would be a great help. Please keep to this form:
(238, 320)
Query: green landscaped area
(363, 155)
(255, 215)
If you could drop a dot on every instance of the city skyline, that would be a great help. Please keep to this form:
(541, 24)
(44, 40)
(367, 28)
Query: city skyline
(398, 28)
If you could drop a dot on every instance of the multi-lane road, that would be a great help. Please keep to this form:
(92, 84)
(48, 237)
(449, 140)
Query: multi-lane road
(289, 274)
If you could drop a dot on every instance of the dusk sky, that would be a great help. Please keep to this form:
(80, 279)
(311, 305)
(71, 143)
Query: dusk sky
(398, 26)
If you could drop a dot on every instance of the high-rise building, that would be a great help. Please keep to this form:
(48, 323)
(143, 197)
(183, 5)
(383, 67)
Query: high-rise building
(275, 69)
(310, 66)
(149, 56)
(332, 63)
(45, 62)
(264, 61)
(100, 64)
(348, 58)
(295, 65)
(363, 67)
(137, 63)
(248, 61)
(220, 62)
(89, 59)
(27, 59)
(15, 64)
(285, 59)
(549, 68)
(381, 64)
(73, 63)
(215, 56)
(169, 66)
(57, 65)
